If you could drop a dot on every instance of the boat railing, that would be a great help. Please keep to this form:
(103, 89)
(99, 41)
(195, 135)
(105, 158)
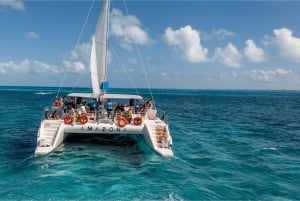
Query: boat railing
(102, 115)
(162, 115)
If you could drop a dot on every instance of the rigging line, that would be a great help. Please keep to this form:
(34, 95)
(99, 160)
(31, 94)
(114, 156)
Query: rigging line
(106, 41)
(79, 38)
(77, 81)
(141, 60)
(124, 69)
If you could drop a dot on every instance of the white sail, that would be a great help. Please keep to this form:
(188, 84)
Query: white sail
(94, 72)
(98, 59)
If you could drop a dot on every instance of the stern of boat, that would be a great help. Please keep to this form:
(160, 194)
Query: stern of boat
(157, 135)
(50, 136)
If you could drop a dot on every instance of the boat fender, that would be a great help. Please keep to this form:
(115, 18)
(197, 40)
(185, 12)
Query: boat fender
(137, 121)
(83, 119)
(68, 119)
(122, 122)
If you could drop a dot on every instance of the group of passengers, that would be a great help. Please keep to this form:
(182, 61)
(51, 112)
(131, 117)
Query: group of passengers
(54, 114)
(79, 106)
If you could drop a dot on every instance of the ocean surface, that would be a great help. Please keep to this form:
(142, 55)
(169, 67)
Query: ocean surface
(228, 145)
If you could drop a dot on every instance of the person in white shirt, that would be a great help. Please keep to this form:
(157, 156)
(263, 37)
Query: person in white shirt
(81, 109)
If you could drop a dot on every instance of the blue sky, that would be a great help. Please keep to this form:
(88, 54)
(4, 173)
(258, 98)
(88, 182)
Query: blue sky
(172, 44)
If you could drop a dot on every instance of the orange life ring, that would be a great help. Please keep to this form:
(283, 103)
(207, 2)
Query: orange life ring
(137, 121)
(122, 122)
(68, 119)
(83, 119)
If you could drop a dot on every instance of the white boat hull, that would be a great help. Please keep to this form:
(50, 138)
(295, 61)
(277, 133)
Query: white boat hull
(103, 128)
(53, 132)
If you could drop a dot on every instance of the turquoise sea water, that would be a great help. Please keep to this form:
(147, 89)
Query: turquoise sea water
(228, 145)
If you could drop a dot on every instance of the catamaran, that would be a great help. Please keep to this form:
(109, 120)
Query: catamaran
(101, 113)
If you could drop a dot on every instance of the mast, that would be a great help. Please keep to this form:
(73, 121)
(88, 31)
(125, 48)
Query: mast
(98, 60)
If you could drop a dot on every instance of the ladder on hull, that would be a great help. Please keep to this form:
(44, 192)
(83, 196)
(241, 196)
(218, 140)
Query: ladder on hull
(47, 135)
(158, 137)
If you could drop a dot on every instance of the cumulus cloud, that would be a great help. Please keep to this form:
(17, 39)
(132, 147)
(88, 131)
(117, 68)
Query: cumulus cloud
(253, 53)
(38, 67)
(14, 4)
(75, 67)
(228, 56)
(81, 52)
(32, 35)
(128, 29)
(187, 42)
(287, 44)
(27, 66)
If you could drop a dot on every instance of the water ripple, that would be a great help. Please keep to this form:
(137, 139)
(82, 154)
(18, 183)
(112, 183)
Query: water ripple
(228, 145)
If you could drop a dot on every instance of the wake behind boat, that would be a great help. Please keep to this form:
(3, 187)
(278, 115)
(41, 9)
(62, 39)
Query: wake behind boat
(101, 113)
(43, 93)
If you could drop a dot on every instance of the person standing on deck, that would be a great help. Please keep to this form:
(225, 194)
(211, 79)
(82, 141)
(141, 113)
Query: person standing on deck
(81, 109)
(47, 116)
(109, 108)
(93, 105)
(136, 108)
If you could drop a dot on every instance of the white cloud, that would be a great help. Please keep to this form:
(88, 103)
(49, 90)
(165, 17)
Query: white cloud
(132, 61)
(279, 78)
(14, 4)
(254, 53)
(187, 42)
(32, 35)
(287, 44)
(38, 67)
(228, 56)
(74, 67)
(281, 71)
(222, 33)
(276, 75)
(128, 29)
(164, 74)
(27, 66)
(78, 59)
(81, 52)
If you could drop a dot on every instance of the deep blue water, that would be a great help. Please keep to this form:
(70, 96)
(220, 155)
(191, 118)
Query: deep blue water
(228, 145)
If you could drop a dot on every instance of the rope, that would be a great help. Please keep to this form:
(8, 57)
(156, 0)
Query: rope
(79, 38)
(141, 60)
(124, 69)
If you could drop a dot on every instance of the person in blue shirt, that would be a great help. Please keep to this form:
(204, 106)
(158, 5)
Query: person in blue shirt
(136, 108)
(109, 108)
(92, 105)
